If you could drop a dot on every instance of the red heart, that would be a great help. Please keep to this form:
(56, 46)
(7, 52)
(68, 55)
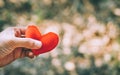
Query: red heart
(49, 40)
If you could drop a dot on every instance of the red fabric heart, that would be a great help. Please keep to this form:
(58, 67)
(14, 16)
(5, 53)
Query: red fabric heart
(49, 40)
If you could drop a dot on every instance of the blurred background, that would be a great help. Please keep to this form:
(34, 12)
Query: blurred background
(89, 33)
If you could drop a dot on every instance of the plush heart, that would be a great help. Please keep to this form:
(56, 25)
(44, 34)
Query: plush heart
(49, 40)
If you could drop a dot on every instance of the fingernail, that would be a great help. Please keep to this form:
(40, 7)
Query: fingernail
(38, 44)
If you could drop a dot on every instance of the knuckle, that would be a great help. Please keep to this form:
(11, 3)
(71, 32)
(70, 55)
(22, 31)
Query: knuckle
(10, 42)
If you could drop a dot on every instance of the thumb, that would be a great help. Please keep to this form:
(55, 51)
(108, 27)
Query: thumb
(28, 43)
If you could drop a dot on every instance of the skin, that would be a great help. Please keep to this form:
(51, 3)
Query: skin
(13, 45)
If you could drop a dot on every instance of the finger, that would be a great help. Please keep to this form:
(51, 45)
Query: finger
(28, 43)
(22, 30)
(30, 55)
(19, 31)
(17, 53)
(26, 53)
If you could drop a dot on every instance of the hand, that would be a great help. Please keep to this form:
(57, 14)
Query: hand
(13, 45)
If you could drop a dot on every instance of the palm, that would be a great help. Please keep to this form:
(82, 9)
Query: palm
(17, 53)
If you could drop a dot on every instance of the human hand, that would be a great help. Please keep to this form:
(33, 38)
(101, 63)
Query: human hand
(13, 45)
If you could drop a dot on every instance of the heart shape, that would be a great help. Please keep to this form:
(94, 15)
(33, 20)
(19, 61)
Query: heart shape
(49, 40)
